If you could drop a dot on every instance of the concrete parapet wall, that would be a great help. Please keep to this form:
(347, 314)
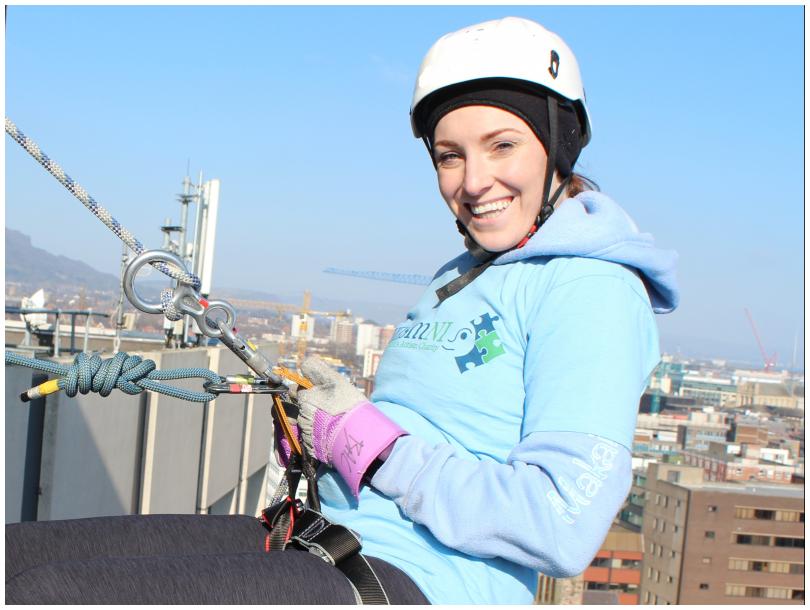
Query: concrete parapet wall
(148, 453)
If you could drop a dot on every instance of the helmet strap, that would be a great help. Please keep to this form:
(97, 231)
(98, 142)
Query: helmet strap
(541, 217)
(547, 208)
(426, 140)
(551, 159)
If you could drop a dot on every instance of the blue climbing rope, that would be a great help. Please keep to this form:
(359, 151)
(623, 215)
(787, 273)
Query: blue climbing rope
(130, 374)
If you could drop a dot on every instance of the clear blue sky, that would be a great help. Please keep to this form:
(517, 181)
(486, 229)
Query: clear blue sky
(302, 113)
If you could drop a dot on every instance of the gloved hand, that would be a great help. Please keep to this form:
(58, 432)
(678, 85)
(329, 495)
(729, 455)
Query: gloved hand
(339, 426)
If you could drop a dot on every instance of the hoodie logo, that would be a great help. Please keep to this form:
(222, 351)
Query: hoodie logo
(481, 341)
(487, 345)
(554, 68)
(589, 482)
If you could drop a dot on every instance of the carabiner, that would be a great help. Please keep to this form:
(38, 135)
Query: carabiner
(244, 388)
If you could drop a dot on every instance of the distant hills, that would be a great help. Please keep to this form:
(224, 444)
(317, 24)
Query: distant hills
(27, 264)
(37, 268)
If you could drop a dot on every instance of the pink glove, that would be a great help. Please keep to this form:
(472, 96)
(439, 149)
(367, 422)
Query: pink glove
(339, 426)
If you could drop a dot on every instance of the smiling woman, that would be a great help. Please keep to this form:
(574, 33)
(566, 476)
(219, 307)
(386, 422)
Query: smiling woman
(487, 161)
(512, 447)
(496, 444)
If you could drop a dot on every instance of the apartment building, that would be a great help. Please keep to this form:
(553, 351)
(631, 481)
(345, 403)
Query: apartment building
(615, 573)
(749, 433)
(713, 391)
(632, 513)
(787, 395)
(703, 428)
(342, 331)
(751, 463)
(720, 543)
(368, 336)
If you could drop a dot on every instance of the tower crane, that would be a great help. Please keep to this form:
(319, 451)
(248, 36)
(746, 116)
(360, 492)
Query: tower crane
(768, 362)
(399, 278)
(303, 311)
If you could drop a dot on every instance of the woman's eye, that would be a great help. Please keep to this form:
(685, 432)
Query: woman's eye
(504, 146)
(448, 158)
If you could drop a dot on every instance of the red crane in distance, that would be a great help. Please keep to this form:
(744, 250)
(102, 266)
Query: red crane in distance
(769, 362)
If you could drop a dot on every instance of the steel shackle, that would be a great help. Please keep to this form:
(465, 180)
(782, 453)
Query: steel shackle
(185, 299)
(149, 256)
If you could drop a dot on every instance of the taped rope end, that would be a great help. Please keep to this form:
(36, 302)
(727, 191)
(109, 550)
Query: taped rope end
(43, 389)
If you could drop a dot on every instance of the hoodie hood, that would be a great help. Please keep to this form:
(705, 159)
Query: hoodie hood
(593, 226)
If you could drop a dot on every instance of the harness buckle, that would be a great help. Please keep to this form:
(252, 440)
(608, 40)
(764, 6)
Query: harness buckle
(279, 520)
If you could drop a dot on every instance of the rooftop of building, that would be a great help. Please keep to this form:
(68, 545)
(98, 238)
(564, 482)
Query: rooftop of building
(600, 598)
(773, 389)
(753, 488)
(622, 538)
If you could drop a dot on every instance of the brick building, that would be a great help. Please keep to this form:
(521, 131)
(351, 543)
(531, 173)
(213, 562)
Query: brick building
(720, 543)
(616, 569)
(749, 433)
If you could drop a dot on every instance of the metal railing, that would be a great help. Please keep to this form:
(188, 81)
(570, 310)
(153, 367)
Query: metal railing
(56, 333)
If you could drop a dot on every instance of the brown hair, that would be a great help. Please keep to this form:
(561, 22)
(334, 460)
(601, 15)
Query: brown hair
(579, 183)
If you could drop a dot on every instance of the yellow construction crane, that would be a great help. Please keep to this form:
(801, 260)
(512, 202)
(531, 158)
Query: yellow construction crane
(303, 311)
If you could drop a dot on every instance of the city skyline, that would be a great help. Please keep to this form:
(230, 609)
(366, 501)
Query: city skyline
(302, 111)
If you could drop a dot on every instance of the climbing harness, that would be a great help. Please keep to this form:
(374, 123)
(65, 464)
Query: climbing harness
(290, 523)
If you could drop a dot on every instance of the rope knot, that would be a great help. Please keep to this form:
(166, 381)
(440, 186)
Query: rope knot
(89, 373)
(130, 374)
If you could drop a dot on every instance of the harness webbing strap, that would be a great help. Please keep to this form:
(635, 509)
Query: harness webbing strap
(291, 525)
(340, 547)
(365, 580)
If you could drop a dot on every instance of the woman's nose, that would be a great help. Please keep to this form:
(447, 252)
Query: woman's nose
(478, 176)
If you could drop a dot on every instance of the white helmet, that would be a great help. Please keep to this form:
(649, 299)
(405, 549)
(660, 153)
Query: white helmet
(512, 48)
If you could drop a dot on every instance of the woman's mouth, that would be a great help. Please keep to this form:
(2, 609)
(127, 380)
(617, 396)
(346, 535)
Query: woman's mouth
(490, 209)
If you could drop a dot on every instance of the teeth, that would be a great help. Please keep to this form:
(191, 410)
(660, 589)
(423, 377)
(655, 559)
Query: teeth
(493, 206)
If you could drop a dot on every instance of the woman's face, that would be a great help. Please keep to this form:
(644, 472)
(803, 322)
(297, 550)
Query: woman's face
(490, 167)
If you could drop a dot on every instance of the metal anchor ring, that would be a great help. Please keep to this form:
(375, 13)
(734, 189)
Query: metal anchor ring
(149, 256)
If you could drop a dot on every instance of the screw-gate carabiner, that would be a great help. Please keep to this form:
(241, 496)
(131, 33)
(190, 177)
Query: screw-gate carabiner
(245, 388)
(248, 353)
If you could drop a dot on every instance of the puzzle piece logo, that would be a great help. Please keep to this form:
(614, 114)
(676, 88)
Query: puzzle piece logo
(486, 347)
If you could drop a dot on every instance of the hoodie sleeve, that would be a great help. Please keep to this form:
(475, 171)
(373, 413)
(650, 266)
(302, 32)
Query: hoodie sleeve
(591, 345)
(548, 508)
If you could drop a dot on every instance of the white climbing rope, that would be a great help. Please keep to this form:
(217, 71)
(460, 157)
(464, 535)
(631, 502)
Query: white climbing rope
(91, 204)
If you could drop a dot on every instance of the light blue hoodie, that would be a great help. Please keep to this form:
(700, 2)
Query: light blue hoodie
(520, 394)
